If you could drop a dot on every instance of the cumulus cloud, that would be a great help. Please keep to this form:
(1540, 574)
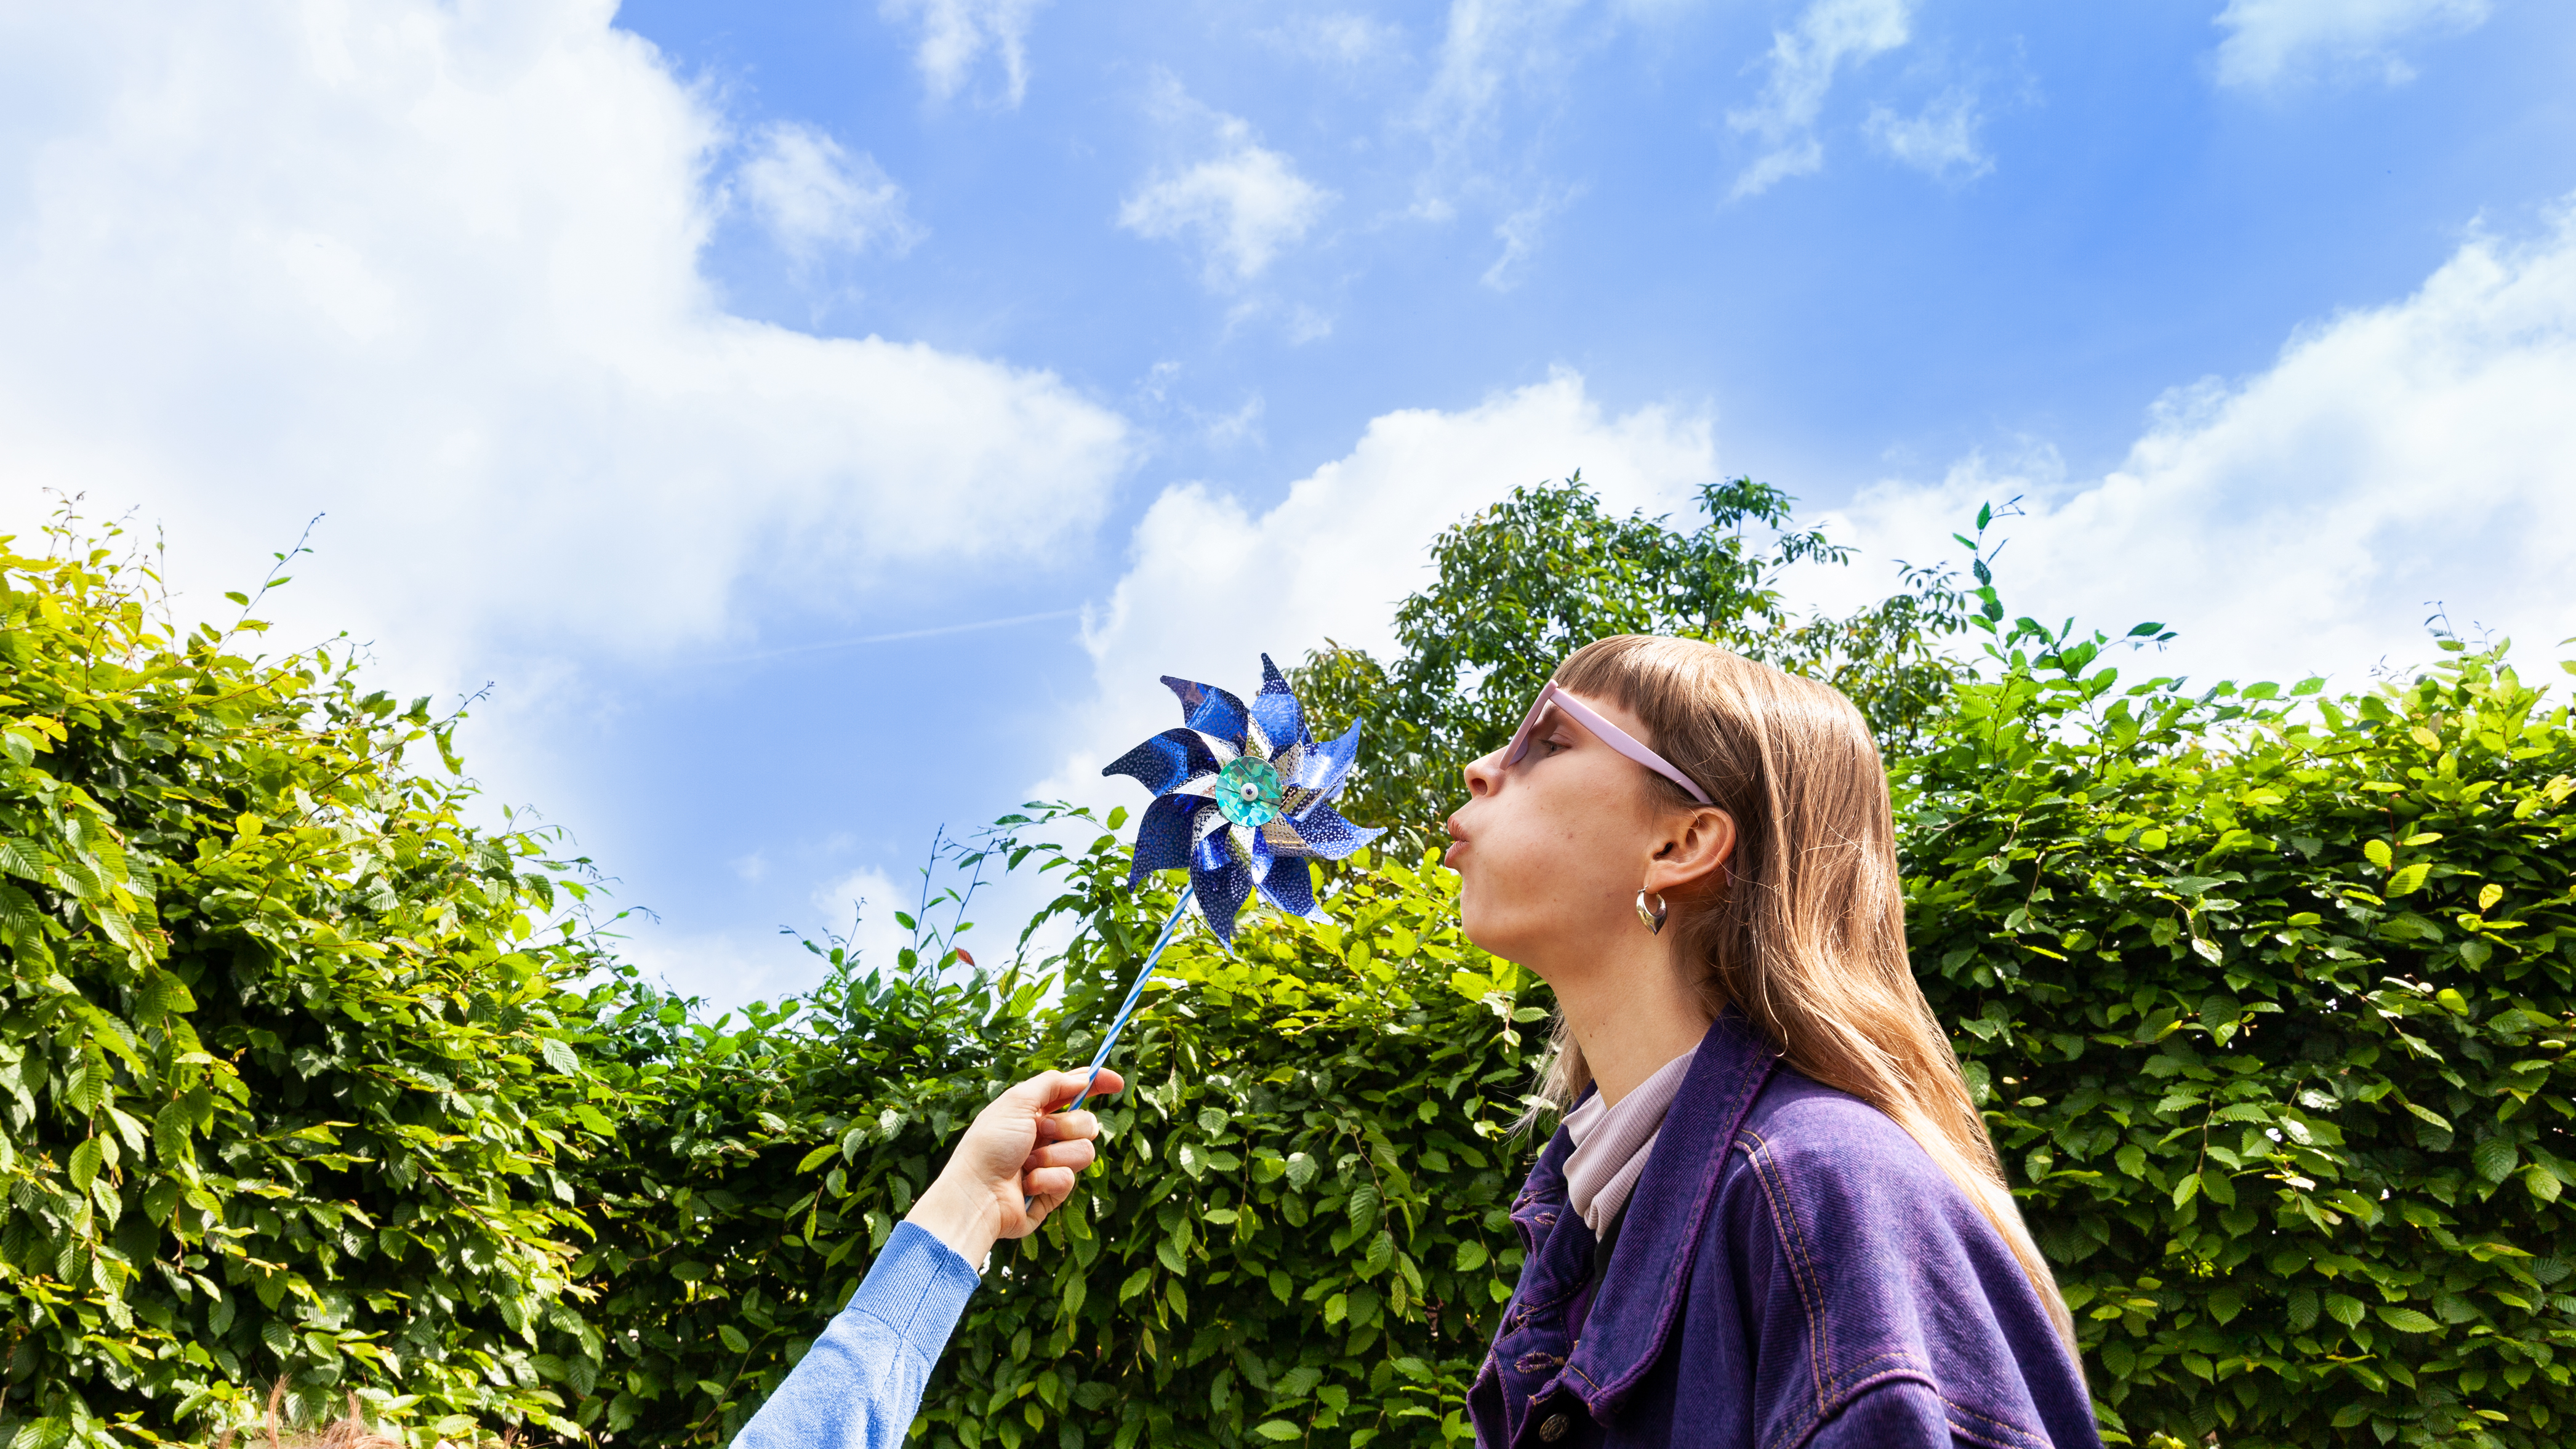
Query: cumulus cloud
(433, 270)
(2271, 41)
(1802, 64)
(1210, 584)
(815, 198)
(957, 34)
(1940, 141)
(2307, 519)
(1243, 205)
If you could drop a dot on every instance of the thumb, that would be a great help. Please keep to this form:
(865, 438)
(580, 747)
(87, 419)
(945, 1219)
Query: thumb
(1048, 1091)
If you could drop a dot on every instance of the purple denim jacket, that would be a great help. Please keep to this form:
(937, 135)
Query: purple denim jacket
(1793, 1270)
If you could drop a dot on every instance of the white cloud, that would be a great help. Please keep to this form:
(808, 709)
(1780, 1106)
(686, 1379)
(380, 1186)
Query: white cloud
(433, 270)
(1337, 38)
(1487, 46)
(1520, 233)
(861, 905)
(1243, 206)
(2271, 41)
(726, 969)
(2307, 519)
(1210, 586)
(814, 197)
(1940, 142)
(955, 34)
(1802, 63)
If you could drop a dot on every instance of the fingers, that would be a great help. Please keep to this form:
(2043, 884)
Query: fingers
(1077, 1155)
(1065, 1126)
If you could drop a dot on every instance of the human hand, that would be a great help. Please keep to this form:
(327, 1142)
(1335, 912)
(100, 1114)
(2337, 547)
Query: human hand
(1015, 1164)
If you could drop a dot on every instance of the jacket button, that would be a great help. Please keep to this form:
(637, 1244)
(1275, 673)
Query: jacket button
(1554, 1428)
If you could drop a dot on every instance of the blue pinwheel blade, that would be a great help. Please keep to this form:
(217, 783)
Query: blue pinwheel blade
(1328, 835)
(1163, 837)
(1174, 757)
(1222, 888)
(1291, 887)
(1281, 717)
(1209, 710)
(1327, 763)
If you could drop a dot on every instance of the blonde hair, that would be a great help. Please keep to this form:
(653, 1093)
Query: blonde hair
(1804, 931)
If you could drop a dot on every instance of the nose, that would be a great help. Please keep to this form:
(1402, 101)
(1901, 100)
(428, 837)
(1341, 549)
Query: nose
(1482, 774)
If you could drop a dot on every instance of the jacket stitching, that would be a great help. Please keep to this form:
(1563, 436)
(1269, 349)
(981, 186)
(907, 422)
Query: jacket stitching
(1898, 1355)
(1797, 1439)
(1810, 1290)
(1995, 1425)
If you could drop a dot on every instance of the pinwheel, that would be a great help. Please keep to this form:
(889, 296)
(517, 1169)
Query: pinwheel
(1242, 800)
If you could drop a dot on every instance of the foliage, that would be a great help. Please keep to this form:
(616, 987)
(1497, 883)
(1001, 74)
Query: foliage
(282, 1058)
(2269, 1008)
(1296, 1233)
(1525, 582)
(2267, 997)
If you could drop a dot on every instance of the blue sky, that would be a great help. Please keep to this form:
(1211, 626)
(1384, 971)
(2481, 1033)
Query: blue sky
(647, 359)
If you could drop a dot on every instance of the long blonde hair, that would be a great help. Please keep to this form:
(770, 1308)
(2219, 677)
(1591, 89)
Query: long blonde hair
(1805, 932)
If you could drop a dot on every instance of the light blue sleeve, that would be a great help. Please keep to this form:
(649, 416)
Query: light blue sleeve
(859, 1385)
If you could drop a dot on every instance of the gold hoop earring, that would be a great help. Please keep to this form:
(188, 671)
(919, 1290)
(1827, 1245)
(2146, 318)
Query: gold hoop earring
(1654, 916)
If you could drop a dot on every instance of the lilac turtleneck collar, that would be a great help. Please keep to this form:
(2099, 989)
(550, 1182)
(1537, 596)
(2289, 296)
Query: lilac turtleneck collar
(1611, 1144)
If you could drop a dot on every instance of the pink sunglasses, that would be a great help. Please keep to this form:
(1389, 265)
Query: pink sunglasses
(1609, 734)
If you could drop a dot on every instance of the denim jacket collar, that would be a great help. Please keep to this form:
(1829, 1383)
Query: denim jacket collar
(1640, 1296)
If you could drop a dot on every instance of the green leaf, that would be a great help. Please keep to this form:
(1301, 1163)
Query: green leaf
(817, 1157)
(2407, 881)
(86, 1159)
(2378, 853)
(1363, 1208)
(1381, 1252)
(2344, 1309)
(733, 1338)
(1301, 1170)
(2541, 1183)
(559, 1056)
(2406, 1320)
(1278, 1431)
(2494, 1159)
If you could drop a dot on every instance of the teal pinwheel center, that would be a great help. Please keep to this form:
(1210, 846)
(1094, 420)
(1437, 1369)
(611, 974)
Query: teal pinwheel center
(1248, 792)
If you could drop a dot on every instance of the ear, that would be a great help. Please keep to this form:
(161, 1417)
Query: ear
(1693, 852)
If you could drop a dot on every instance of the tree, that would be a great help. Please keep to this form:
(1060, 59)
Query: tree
(1524, 582)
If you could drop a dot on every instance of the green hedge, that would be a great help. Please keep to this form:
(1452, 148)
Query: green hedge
(1297, 1229)
(2268, 999)
(2267, 996)
(283, 1064)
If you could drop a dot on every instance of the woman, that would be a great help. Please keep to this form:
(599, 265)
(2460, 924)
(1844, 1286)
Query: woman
(1771, 1216)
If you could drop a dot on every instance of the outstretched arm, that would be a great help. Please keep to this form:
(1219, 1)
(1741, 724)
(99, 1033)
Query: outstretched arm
(860, 1383)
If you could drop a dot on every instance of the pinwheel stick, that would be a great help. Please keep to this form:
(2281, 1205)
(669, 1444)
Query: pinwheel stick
(1127, 1008)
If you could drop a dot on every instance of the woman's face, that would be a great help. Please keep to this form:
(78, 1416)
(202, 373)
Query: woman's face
(1551, 850)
